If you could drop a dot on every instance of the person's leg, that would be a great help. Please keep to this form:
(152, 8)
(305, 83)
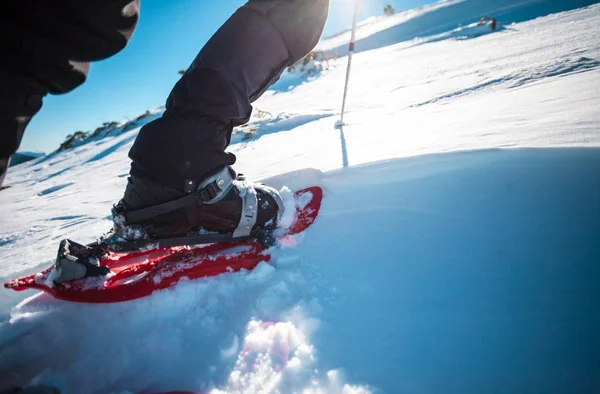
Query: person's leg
(244, 57)
(186, 146)
(46, 48)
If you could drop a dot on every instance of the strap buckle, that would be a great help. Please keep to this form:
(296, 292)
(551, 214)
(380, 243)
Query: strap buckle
(209, 192)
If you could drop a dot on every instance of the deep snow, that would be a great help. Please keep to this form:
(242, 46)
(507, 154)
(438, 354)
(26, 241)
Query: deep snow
(439, 262)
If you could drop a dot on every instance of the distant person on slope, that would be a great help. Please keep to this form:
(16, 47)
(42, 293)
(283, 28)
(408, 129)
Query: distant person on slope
(494, 24)
(180, 179)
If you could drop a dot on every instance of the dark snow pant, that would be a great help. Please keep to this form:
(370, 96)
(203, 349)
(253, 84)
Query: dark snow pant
(235, 67)
(46, 47)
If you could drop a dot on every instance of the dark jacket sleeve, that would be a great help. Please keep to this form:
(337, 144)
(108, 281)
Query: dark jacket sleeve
(46, 47)
(52, 42)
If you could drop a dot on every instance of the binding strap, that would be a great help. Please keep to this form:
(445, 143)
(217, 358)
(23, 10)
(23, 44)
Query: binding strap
(212, 190)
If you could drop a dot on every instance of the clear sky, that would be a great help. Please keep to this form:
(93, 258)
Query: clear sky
(167, 38)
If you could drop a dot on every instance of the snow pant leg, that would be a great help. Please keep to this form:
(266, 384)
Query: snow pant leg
(235, 67)
(46, 47)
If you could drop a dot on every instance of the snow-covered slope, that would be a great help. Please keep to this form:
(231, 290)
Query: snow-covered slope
(442, 17)
(379, 24)
(441, 261)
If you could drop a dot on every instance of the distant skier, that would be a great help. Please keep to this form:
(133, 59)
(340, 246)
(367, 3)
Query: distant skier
(180, 178)
(493, 25)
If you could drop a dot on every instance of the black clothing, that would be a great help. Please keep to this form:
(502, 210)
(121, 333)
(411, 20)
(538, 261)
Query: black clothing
(235, 67)
(53, 42)
(46, 47)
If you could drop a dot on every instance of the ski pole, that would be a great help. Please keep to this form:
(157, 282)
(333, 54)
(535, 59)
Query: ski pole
(350, 52)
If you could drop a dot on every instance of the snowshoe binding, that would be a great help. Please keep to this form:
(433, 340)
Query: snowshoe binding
(75, 261)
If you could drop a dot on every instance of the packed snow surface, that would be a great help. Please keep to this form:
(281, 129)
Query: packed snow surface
(457, 249)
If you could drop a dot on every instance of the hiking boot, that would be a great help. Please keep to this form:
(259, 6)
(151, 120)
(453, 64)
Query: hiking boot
(222, 203)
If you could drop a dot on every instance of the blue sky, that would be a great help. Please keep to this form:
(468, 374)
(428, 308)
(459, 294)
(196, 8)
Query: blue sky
(168, 37)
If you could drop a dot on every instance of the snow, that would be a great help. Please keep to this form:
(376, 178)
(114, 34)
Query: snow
(456, 250)
(289, 208)
(374, 25)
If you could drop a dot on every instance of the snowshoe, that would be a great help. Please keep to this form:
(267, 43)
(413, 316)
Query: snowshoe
(110, 275)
